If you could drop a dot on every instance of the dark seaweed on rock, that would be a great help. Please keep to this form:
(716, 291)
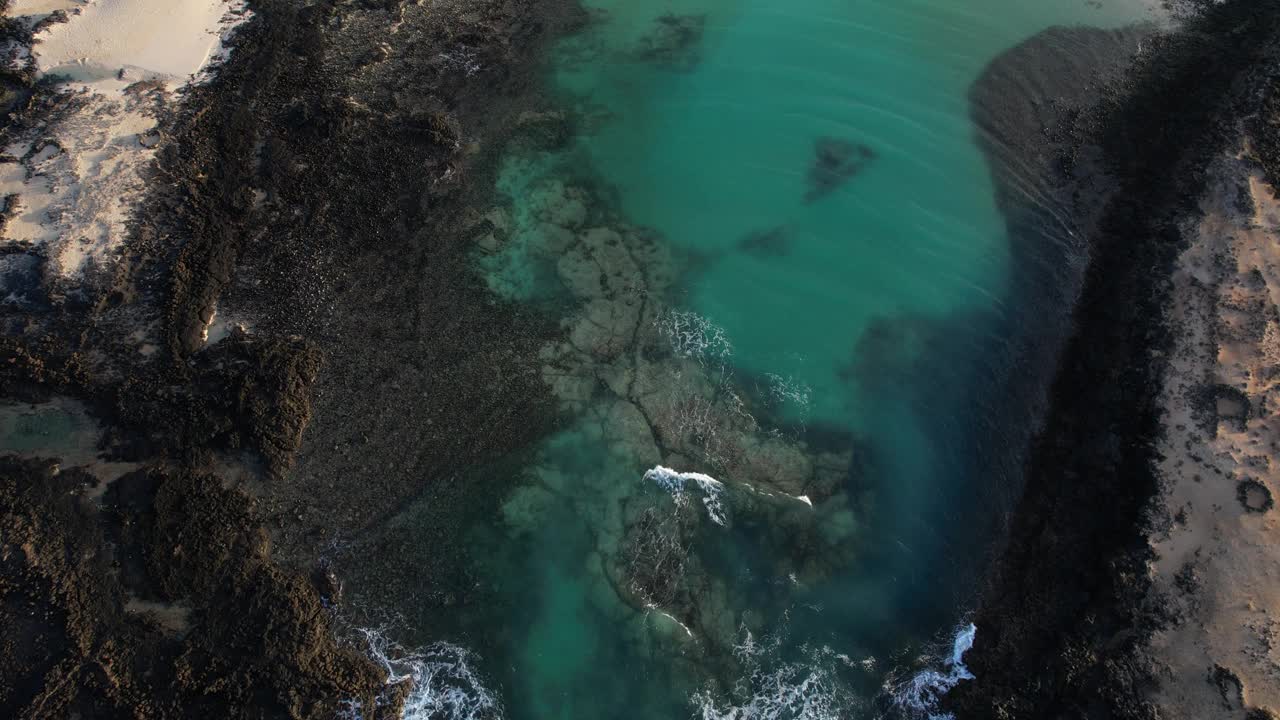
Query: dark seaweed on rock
(241, 394)
(1062, 621)
(21, 276)
(675, 42)
(835, 162)
(769, 243)
(17, 76)
(353, 255)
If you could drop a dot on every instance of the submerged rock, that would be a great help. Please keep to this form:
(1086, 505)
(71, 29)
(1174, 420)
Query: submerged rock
(835, 162)
(771, 243)
(675, 43)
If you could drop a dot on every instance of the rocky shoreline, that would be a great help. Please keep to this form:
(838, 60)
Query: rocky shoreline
(177, 576)
(1065, 624)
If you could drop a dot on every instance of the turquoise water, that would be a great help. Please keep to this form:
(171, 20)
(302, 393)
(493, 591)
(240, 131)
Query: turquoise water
(773, 246)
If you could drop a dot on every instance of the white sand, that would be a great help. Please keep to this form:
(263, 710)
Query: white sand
(20, 8)
(169, 38)
(77, 194)
(1218, 566)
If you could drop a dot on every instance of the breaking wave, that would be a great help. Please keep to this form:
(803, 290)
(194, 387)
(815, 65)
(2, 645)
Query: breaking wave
(918, 698)
(777, 690)
(677, 484)
(443, 684)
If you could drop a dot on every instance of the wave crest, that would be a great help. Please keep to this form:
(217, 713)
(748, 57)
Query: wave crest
(919, 696)
(676, 483)
(444, 686)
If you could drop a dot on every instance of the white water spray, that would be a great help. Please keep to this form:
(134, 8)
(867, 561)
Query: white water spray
(444, 685)
(919, 696)
(677, 483)
(773, 689)
(694, 336)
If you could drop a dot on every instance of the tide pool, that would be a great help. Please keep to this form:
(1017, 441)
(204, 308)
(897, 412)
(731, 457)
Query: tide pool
(774, 250)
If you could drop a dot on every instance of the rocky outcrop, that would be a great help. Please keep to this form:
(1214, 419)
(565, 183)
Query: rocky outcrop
(159, 602)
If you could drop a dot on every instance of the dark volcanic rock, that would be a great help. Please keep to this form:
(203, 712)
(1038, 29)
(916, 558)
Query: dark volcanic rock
(242, 394)
(211, 628)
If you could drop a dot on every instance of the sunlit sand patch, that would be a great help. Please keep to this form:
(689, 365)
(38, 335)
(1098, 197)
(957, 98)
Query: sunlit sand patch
(172, 39)
(74, 193)
(221, 326)
(20, 8)
(174, 619)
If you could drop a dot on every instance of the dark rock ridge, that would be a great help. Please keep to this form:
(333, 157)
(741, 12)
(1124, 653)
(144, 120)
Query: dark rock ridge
(1062, 620)
(1030, 109)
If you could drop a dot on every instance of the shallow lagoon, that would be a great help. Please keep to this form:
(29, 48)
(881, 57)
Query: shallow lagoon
(774, 248)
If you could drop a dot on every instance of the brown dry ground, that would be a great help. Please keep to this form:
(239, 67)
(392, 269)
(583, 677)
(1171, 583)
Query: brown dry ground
(1218, 561)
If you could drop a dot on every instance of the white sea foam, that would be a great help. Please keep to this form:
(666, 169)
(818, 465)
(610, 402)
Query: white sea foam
(677, 484)
(789, 390)
(444, 685)
(919, 696)
(775, 690)
(791, 692)
(672, 618)
(694, 336)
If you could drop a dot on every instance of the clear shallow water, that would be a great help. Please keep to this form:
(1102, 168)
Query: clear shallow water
(775, 251)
